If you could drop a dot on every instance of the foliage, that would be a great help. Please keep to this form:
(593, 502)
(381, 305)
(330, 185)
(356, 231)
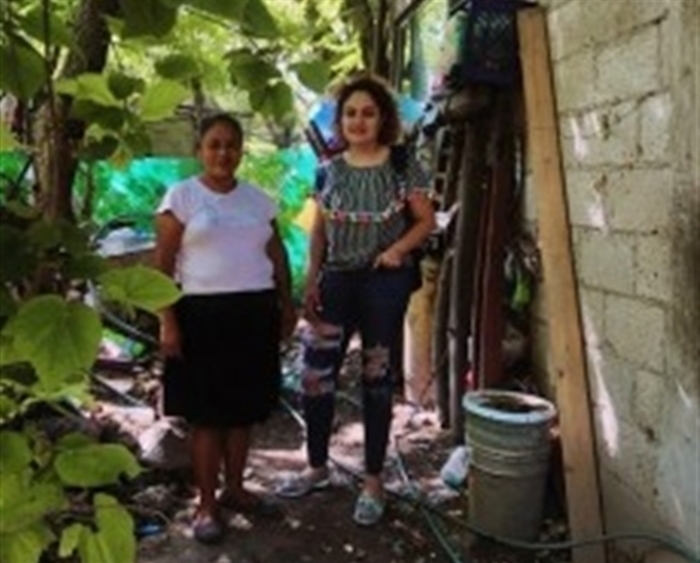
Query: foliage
(53, 492)
(48, 343)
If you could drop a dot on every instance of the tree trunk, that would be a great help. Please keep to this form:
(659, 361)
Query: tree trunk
(56, 135)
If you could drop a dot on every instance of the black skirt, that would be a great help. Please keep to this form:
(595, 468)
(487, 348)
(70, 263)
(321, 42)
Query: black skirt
(229, 375)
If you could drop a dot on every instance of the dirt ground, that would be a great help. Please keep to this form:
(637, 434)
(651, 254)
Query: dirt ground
(319, 528)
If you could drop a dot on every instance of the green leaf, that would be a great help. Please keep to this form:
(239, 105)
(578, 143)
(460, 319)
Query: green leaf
(108, 117)
(226, 8)
(90, 87)
(178, 67)
(85, 266)
(114, 540)
(250, 71)
(33, 24)
(15, 454)
(8, 408)
(257, 20)
(23, 70)
(139, 286)
(160, 99)
(99, 149)
(147, 17)
(7, 139)
(69, 540)
(275, 100)
(95, 465)
(9, 354)
(315, 75)
(25, 546)
(27, 504)
(123, 86)
(60, 339)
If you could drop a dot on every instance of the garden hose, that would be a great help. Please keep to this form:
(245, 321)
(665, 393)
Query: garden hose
(662, 540)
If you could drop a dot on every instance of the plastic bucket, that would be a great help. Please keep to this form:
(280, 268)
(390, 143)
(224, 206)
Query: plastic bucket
(508, 434)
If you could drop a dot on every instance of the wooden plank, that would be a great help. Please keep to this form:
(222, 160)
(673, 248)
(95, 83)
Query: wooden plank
(562, 306)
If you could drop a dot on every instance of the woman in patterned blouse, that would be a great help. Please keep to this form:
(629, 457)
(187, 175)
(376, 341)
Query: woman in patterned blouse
(360, 278)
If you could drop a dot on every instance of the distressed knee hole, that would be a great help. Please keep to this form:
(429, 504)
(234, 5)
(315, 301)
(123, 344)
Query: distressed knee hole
(323, 336)
(315, 382)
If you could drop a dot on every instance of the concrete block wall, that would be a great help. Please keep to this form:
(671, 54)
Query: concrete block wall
(627, 79)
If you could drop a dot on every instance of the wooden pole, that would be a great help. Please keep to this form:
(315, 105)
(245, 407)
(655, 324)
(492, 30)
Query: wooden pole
(566, 341)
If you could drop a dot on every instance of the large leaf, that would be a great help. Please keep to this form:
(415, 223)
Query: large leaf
(59, 33)
(178, 67)
(147, 17)
(257, 20)
(25, 546)
(250, 71)
(95, 465)
(60, 339)
(23, 71)
(114, 540)
(139, 286)
(70, 537)
(108, 117)
(91, 87)
(313, 74)
(15, 453)
(161, 98)
(122, 86)
(28, 508)
(274, 100)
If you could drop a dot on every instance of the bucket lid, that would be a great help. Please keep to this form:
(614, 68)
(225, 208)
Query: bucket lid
(509, 406)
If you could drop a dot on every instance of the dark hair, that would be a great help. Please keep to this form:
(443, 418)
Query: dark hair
(208, 121)
(390, 126)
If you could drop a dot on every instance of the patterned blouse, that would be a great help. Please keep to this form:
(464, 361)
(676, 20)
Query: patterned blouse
(364, 208)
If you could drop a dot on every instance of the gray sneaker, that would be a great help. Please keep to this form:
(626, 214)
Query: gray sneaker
(368, 510)
(301, 484)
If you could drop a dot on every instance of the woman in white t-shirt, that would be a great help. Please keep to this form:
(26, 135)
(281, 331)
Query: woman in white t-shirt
(218, 238)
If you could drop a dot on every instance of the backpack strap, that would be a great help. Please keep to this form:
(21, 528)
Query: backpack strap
(398, 157)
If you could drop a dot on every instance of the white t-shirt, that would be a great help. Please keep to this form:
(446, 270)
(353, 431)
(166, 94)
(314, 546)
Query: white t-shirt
(223, 244)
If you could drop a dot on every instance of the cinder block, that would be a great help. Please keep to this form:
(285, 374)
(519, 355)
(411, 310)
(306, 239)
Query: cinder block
(648, 403)
(635, 330)
(629, 67)
(607, 261)
(574, 81)
(654, 268)
(585, 197)
(640, 199)
(602, 136)
(655, 133)
(592, 316)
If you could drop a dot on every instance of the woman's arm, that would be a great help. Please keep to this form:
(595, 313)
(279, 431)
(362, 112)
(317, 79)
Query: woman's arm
(283, 280)
(421, 209)
(168, 240)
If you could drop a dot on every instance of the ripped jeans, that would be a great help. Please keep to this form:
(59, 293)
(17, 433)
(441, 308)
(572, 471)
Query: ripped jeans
(374, 303)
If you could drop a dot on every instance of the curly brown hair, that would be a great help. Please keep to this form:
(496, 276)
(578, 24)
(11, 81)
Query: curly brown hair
(378, 90)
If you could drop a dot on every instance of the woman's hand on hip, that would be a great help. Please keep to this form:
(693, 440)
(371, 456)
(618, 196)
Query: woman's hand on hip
(390, 258)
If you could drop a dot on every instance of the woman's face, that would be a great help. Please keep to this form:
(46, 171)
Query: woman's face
(360, 119)
(220, 152)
